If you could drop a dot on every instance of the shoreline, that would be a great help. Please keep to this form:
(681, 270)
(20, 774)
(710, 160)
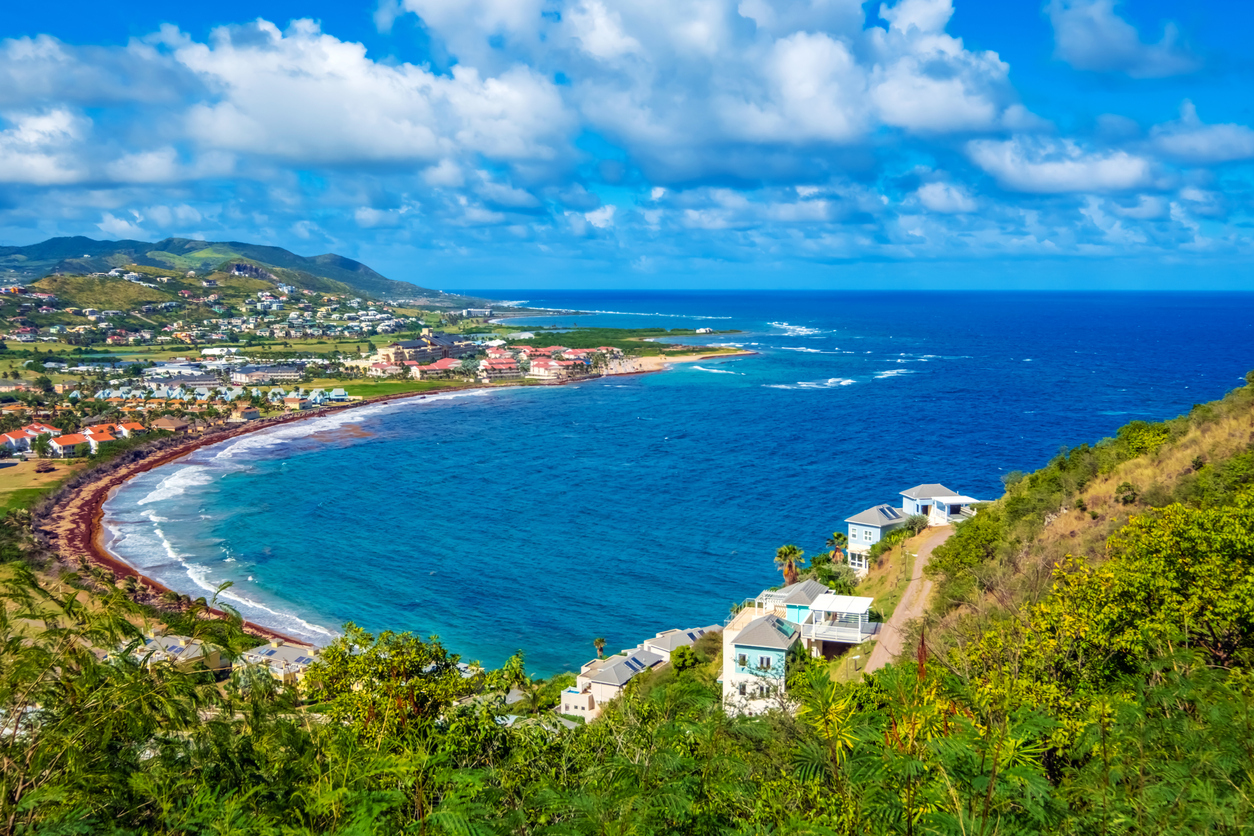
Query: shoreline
(74, 526)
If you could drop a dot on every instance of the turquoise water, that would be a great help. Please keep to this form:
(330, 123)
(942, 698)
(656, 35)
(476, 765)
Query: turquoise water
(538, 519)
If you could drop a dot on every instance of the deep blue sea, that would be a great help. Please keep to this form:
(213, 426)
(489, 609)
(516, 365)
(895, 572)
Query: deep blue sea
(540, 518)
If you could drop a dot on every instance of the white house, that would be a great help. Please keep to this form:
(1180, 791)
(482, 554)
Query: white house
(601, 680)
(668, 641)
(868, 528)
(837, 620)
(938, 503)
(286, 662)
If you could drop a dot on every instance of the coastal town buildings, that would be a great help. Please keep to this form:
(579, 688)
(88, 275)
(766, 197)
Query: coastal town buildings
(937, 503)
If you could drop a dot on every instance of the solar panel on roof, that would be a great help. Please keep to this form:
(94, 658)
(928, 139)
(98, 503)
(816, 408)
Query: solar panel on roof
(891, 513)
(784, 627)
(303, 660)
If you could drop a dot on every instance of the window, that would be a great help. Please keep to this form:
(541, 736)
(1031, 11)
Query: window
(866, 534)
(765, 663)
(741, 689)
(742, 660)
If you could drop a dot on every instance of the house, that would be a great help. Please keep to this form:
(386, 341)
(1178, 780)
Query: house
(836, 621)
(17, 441)
(171, 424)
(384, 369)
(286, 662)
(295, 403)
(919, 499)
(755, 658)
(182, 652)
(63, 445)
(244, 413)
(867, 528)
(41, 429)
(250, 375)
(131, 429)
(601, 680)
(337, 396)
(668, 641)
(439, 369)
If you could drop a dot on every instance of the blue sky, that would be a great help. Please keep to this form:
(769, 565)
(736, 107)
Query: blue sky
(650, 143)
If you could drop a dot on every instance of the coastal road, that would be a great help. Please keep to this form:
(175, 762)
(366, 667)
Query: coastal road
(912, 604)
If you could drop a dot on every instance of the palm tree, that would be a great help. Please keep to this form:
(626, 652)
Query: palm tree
(599, 644)
(787, 558)
(837, 543)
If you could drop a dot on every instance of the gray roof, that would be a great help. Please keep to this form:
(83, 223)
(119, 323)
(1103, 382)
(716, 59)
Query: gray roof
(619, 670)
(672, 639)
(879, 516)
(927, 491)
(803, 593)
(285, 654)
(767, 631)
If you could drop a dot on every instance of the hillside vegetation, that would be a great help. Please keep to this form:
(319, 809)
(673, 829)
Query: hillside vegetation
(328, 273)
(1088, 669)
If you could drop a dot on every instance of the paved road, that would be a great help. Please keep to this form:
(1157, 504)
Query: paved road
(912, 604)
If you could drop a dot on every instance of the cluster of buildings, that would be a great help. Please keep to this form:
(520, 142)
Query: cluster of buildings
(264, 315)
(64, 445)
(287, 663)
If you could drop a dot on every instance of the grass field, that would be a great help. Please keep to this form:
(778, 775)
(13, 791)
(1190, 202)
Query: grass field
(21, 486)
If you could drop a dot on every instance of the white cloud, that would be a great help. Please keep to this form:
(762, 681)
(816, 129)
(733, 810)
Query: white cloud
(599, 31)
(945, 198)
(1051, 166)
(1191, 141)
(116, 227)
(305, 96)
(370, 218)
(39, 148)
(602, 218)
(1089, 35)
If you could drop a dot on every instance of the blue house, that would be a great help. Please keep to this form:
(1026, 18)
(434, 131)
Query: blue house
(755, 662)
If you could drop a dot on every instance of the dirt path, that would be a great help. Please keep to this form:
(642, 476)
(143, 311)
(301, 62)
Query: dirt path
(888, 646)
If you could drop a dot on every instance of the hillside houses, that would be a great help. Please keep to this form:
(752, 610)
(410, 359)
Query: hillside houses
(805, 617)
(603, 679)
(937, 503)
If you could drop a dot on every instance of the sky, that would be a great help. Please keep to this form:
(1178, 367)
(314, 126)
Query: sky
(717, 144)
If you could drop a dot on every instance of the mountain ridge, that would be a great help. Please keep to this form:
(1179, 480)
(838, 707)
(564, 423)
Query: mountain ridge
(81, 255)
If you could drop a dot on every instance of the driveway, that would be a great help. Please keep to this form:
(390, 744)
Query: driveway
(912, 605)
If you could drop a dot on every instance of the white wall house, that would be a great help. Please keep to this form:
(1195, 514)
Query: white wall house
(938, 503)
(868, 528)
(601, 680)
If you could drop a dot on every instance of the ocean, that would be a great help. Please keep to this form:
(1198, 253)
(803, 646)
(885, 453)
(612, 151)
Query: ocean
(541, 518)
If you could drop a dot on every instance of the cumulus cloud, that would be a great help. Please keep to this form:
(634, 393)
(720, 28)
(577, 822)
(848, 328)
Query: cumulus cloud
(306, 96)
(39, 148)
(116, 227)
(1051, 166)
(945, 198)
(1191, 141)
(1090, 35)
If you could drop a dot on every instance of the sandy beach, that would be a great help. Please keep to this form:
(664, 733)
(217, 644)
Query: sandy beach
(74, 527)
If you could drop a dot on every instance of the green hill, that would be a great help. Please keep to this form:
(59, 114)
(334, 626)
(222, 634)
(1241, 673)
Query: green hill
(327, 273)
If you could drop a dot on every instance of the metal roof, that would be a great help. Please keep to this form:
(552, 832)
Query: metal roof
(831, 602)
(767, 631)
(879, 516)
(926, 492)
(619, 670)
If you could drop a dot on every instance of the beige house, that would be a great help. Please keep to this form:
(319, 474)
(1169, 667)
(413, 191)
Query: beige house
(601, 680)
(183, 652)
(286, 662)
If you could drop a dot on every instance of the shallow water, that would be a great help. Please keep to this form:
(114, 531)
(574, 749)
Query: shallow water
(542, 518)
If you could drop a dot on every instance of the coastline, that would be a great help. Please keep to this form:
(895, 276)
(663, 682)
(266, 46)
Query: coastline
(75, 527)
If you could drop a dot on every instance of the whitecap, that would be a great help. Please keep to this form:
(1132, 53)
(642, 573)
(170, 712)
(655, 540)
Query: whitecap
(716, 371)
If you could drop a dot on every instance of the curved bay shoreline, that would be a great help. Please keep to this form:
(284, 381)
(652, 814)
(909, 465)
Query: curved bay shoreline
(74, 526)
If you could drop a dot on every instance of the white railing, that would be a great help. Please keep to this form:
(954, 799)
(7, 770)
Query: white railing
(848, 634)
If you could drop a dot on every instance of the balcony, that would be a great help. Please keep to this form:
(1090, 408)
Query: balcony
(852, 633)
